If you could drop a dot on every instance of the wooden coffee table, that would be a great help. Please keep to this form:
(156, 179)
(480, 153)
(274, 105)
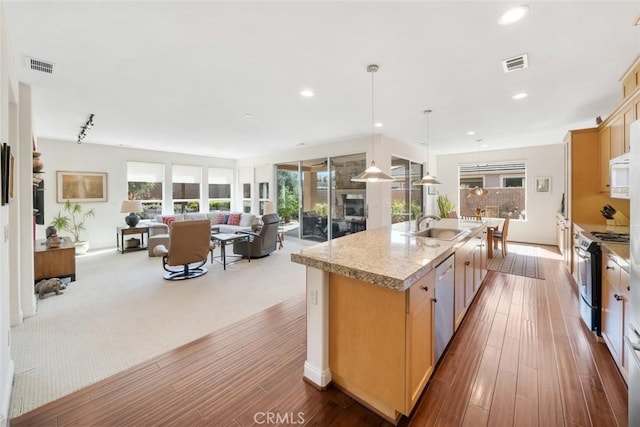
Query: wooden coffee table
(225, 239)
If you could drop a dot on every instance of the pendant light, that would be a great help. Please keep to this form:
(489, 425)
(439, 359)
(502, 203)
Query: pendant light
(427, 179)
(372, 173)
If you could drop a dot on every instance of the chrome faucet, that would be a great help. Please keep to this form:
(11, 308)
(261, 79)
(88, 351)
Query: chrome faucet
(428, 218)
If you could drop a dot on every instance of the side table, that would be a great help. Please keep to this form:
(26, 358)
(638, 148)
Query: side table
(123, 230)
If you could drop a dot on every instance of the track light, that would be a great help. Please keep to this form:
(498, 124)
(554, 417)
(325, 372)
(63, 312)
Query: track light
(84, 129)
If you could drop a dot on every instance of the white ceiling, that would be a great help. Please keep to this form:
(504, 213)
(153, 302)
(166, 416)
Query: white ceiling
(180, 76)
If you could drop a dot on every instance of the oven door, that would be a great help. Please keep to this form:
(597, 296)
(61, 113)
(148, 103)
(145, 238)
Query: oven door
(583, 273)
(587, 306)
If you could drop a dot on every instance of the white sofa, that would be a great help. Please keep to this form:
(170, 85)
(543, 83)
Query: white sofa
(221, 219)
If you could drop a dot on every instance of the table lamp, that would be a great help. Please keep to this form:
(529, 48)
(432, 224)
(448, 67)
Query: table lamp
(132, 207)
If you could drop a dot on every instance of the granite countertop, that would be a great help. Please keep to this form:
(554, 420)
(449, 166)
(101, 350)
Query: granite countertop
(619, 249)
(386, 256)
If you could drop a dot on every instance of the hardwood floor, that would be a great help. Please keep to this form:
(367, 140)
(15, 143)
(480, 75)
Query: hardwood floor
(522, 356)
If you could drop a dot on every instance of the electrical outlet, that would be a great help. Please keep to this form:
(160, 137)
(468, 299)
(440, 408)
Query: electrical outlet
(313, 296)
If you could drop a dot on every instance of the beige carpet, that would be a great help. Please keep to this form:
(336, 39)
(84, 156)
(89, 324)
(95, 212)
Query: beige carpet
(120, 312)
(521, 260)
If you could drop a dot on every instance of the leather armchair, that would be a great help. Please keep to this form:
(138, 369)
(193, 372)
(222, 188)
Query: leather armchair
(189, 247)
(263, 242)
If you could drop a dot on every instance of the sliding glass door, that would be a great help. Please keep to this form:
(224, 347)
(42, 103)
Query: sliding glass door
(329, 205)
(407, 199)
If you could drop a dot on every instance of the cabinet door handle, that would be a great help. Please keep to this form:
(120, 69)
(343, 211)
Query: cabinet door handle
(467, 263)
(425, 288)
(610, 268)
(618, 297)
(629, 288)
(434, 299)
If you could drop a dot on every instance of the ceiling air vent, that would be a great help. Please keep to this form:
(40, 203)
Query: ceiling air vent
(516, 63)
(40, 65)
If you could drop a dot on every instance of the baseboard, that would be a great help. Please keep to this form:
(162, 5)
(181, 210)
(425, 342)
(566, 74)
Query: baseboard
(313, 375)
(6, 395)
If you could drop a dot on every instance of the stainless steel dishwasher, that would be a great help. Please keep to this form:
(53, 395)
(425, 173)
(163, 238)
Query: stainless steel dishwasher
(444, 308)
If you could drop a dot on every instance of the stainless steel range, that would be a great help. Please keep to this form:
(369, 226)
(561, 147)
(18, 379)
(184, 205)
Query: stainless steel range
(589, 273)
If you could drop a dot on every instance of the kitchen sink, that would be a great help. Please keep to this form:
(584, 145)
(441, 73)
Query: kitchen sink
(440, 233)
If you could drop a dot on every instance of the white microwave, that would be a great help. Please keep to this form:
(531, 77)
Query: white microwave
(619, 177)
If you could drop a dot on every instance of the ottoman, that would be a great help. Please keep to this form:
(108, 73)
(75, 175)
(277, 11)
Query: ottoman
(158, 239)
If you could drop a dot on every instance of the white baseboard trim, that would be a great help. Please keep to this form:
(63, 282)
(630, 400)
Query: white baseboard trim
(6, 395)
(313, 374)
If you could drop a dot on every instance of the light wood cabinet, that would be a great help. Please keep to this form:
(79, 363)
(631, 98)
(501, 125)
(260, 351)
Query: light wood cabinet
(381, 341)
(605, 154)
(480, 266)
(615, 298)
(420, 345)
(617, 137)
(631, 79)
(583, 199)
(463, 292)
(629, 116)
(470, 271)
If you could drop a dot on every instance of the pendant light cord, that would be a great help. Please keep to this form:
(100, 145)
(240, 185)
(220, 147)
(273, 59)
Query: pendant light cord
(427, 112)
(372, 69)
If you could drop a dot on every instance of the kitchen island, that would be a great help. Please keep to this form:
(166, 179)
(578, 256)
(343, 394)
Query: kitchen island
(370, 311)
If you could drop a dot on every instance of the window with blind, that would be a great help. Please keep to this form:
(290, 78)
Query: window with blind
(144, 182)
(186, 188)
(220, 181)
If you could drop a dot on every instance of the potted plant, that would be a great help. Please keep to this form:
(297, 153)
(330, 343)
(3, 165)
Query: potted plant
(445, 205)
(72, 219)
(287, 205)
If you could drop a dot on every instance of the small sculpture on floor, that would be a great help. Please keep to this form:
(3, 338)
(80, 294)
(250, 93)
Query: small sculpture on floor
(48, 286)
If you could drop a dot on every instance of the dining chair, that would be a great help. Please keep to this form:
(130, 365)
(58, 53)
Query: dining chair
(501, 236)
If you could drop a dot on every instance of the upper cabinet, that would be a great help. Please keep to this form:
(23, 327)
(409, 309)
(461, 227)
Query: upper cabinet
(631, 79)
(614, 131)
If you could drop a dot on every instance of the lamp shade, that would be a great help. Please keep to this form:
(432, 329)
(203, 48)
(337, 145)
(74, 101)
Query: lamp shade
(132, 207)
(427, 180)
(269, 208)
(372, 174)
(129, 206)
(478, 191)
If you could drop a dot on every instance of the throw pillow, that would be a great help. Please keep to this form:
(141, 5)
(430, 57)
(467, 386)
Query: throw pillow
(221, 219)
(168, 219)
(246, 219)
(234, 219)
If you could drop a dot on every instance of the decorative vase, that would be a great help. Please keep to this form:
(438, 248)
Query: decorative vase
(82, 247)
(37, 163)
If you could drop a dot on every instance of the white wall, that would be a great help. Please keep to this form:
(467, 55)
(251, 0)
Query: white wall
(88, 157)
(8, 103)
(542, 161)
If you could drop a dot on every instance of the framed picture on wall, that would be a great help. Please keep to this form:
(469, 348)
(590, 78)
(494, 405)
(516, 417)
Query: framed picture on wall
(81, 186)
(543, 184)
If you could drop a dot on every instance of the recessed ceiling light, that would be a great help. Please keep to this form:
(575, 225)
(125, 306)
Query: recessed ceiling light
(484, 146)
(513, 15)
(247, 115)
(379, 124)
(471, 132)
(520, 95)
(307, 93)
